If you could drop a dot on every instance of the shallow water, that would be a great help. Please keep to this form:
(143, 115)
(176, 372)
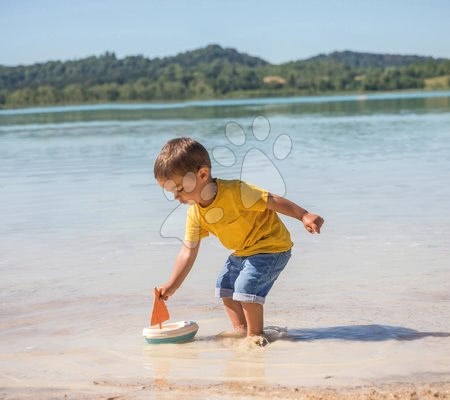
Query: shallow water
(366, 301)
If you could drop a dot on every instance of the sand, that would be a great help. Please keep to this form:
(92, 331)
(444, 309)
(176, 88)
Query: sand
(226, 391)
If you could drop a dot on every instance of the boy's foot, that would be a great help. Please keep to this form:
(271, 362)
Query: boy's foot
(235, 334)
(256, 341)
(260, 341)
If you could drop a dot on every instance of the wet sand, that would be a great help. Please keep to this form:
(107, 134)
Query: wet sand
(137, 390)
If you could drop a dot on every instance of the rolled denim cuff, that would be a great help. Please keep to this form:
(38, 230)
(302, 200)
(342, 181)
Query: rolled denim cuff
(249, 298)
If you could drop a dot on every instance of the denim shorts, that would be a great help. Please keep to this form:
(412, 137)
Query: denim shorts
(249, 279)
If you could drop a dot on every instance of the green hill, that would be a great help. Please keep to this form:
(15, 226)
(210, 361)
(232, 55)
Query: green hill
(211, 54)
(369, 60)
(212, 72)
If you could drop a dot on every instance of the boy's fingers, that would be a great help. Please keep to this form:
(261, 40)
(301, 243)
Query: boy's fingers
(315, 228)
(162, 294)
(318, 224)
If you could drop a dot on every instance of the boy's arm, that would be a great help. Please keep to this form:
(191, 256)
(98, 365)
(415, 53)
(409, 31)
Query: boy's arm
(312, 222)
(183, 265)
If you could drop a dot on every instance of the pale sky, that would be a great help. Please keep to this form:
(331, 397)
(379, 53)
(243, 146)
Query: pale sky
(38, 31)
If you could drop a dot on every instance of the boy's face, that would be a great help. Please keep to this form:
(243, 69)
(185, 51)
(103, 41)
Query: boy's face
(187, 189)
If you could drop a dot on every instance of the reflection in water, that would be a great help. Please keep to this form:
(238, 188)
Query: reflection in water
(215, 359)
(211, 358)
(389, 103)
(245, 366)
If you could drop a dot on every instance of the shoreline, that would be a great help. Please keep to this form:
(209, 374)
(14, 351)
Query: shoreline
(221, 101)
(136, 390)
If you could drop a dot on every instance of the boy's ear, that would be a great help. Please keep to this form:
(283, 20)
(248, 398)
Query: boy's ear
(203, 172)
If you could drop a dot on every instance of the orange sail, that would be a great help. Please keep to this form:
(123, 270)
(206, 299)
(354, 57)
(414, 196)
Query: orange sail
(160, 312)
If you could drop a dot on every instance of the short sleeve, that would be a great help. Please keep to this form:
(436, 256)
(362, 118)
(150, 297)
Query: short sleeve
(253, 197)
(194, 231)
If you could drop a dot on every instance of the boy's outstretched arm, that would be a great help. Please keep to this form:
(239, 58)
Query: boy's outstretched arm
(183, 264)
(311, 222)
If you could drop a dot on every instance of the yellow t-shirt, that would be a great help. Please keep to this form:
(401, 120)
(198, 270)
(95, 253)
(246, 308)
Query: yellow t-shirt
(239, 218)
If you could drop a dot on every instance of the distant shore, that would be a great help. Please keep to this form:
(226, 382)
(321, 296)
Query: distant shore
(214, 72)
(230, 100)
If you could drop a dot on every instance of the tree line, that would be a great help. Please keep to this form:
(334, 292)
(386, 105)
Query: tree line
(213, 72)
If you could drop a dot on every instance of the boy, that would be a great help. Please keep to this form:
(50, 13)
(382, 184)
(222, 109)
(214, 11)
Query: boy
(243, 217)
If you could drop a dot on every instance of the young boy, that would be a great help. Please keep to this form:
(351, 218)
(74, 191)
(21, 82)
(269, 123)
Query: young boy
(243, 217)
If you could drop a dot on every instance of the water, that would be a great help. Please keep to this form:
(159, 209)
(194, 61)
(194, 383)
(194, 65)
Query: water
(366, 301)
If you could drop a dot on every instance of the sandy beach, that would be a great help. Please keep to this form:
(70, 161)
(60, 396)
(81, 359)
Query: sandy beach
(137, 390)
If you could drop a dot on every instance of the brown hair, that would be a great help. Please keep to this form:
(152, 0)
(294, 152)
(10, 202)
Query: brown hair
(180, 156)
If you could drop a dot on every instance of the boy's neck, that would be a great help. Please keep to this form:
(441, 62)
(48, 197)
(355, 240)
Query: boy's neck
(208, 193)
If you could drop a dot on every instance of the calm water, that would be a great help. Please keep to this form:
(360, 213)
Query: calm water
(80, 251)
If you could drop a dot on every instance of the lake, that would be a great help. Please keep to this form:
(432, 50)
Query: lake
(86, 234)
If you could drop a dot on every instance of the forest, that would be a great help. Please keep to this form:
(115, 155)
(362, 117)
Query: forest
(213, 72)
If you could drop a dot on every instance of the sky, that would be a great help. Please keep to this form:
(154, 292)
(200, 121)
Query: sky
(278, 31)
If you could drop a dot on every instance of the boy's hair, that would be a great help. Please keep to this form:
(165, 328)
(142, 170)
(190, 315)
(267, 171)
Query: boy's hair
(180, 156)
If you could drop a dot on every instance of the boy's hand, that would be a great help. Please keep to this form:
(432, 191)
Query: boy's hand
(166, 290)
(312, 222)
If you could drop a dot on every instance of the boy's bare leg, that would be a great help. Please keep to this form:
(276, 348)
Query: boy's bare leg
(236, 315)
(254, 315)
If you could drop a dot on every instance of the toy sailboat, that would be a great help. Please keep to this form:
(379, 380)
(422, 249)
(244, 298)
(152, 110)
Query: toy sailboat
(169, 333)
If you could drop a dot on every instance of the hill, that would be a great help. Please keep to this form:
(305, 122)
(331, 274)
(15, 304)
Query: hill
(369, 60)
(212, 72)
(107, 68)
(214, 53)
